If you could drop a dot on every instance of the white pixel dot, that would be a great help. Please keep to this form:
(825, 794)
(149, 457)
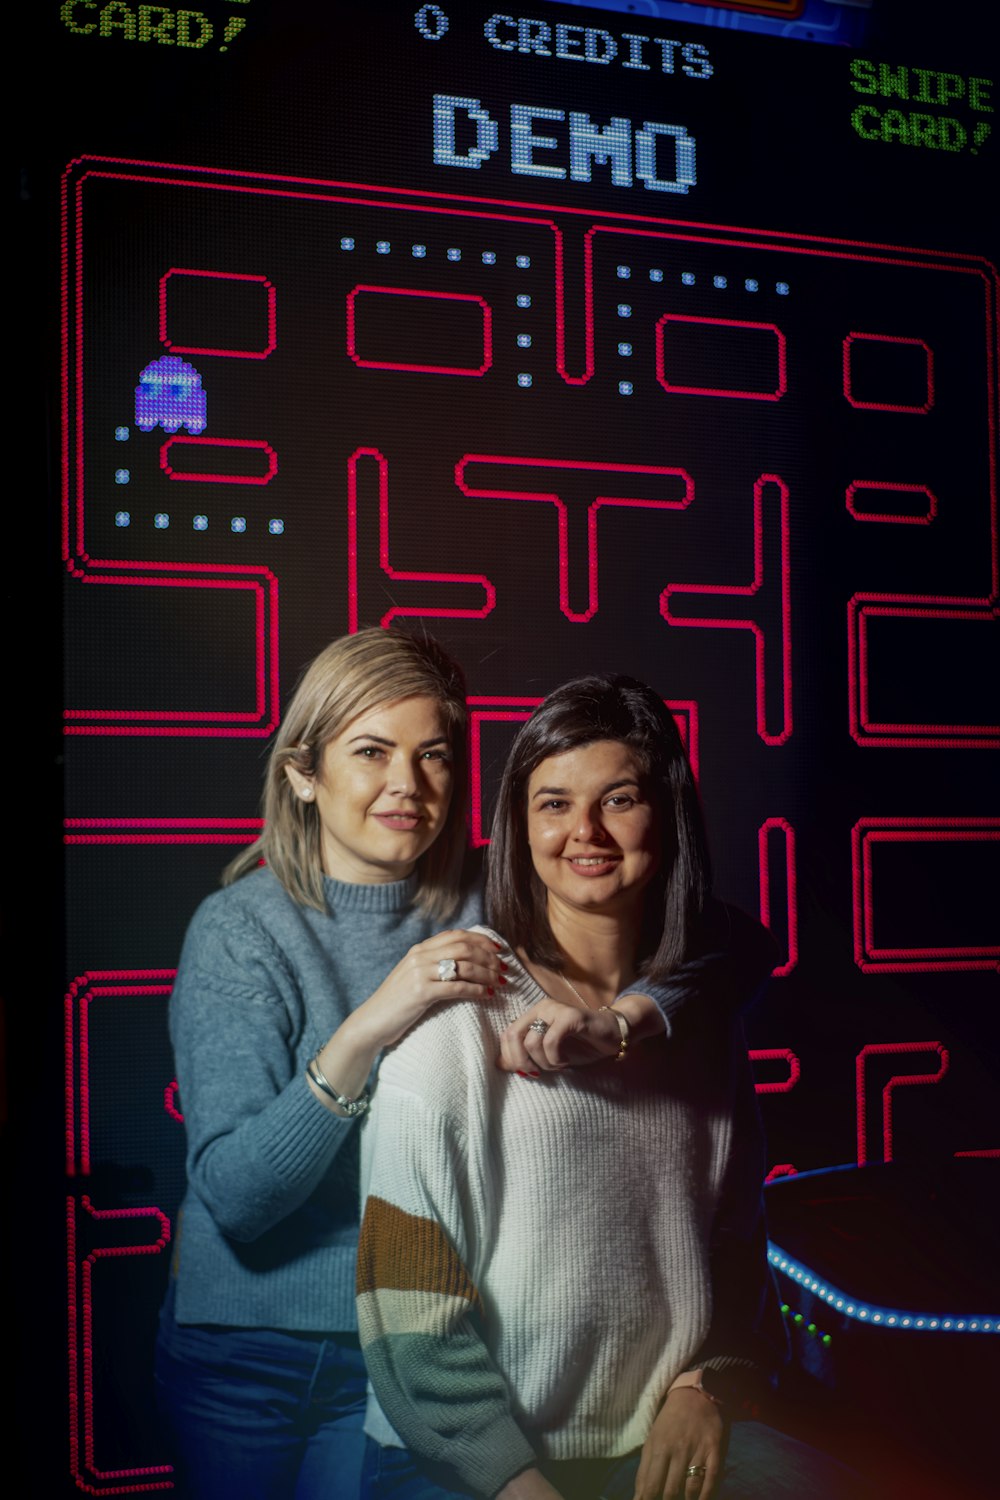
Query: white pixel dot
(624, 311)
(419, 251)
(122, 518)
(624, 387)
(347, 243)
(782, 288)
(238, 523)
(524, 380)
(121, 434)
(687, 278)
(524, 341)
(624, 272)
(122, 476)
(200, 523)
(489, 258)
(523, 300)
(275, 527)
(524, 261)
(625, 349)
(382, 247)
(655, 275)
(454, 254)
(161, 520)
(720, 282)
(750, 284)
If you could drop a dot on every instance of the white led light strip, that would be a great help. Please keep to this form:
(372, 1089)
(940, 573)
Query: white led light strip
(872, 1313)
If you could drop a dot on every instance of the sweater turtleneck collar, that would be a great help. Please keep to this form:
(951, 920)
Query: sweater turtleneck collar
(396, 895)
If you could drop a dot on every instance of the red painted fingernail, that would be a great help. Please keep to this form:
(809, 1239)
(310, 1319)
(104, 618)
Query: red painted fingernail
(503, 979)
(520, 1074)
(503, 966)
(489, 989)
(534, 1075)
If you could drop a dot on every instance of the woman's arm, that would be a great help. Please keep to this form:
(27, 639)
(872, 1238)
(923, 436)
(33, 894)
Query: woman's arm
(736, 958)
(719, 983)
(420, 1316)
(259, 1138)
(258, 1144)
(746, 1343)
(404, 997)
(743, 1348)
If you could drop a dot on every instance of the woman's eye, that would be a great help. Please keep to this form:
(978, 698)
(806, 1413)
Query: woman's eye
(370, 752)
(554, 805)
(440, 755)
(619, 801)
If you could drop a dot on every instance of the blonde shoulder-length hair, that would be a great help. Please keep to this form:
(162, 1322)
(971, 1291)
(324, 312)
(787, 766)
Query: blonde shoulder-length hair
(353, 676)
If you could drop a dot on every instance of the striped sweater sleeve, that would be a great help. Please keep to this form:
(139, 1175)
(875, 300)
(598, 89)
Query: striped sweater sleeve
(420, 1316)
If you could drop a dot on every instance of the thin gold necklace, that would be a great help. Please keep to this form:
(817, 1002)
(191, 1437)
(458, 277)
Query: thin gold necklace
(569, 983)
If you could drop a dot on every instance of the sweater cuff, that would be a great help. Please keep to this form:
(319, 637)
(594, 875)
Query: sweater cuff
(490, 1457)
(738, 1383)
(295, 1130)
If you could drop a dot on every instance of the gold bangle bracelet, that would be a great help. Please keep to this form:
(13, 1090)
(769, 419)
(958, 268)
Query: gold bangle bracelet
(624, 1031)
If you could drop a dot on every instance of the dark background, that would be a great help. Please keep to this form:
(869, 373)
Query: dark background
(297, 164)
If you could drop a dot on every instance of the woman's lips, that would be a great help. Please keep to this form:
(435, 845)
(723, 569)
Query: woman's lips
(403, 822)
(591, 865)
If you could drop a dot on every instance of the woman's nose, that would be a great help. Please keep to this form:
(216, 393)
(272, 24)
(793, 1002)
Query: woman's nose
(590, 830)
(403, 779)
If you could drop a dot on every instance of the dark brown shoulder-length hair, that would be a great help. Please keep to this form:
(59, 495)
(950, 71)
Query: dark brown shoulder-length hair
(352, 676)
(580, 713)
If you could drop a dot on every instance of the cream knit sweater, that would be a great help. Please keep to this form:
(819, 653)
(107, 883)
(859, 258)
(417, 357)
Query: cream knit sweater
(537, 1256)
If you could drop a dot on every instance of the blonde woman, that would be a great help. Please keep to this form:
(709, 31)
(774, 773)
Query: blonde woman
(293, 980)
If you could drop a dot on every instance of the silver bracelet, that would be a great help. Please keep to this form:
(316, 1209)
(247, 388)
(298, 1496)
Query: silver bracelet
(351, 1107)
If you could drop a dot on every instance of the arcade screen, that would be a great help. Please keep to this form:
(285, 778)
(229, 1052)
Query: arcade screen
(587, 339)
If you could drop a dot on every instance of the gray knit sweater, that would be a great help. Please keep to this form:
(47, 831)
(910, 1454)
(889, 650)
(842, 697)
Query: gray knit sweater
(268, 1228)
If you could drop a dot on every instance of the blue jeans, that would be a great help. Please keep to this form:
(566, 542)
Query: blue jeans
(761, 1464)
(258, 1414)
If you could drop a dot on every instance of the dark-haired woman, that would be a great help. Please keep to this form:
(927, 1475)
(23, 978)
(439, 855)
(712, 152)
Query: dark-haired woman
(292, 981)
(563, 1288)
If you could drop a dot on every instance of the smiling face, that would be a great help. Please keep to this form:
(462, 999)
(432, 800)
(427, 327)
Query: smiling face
(592, 829)
(383, 791)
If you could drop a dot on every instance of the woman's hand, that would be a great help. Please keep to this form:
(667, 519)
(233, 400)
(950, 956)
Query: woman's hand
(528, 1485)
(689, 1433)
(415, 984)
(574, 1038)
(402, 999)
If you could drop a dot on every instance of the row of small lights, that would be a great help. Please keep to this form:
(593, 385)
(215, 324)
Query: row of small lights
(199, 523)
(489, 258)
(419, 252)
(885, 1317)
(688, 278)
(799, 1319)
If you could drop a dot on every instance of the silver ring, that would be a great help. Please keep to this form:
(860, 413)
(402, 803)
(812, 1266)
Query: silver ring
(695, 1471)
(540, 1026)
(447, 969)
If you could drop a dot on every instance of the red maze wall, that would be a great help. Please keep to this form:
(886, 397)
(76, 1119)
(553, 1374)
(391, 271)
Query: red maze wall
(588, 324)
